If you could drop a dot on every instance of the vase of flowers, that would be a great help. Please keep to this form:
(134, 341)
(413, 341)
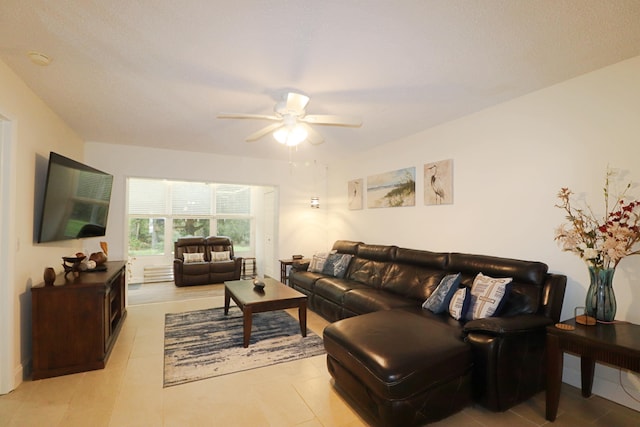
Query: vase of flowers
(601, 243)
(601, 300)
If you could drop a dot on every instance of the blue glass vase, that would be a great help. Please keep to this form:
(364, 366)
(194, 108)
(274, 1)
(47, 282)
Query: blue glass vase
(601, 300)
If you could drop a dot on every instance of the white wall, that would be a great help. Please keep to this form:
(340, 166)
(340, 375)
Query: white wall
(35, 130)
(301, 229)
(509, 163)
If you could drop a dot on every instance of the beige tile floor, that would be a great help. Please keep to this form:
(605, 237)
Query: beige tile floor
(129, 392)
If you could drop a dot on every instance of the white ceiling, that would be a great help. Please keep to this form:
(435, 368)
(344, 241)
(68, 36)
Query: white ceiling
(156, 72)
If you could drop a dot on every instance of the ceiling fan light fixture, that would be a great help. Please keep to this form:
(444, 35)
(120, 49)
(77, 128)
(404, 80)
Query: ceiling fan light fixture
(290, 136)
(291, 124)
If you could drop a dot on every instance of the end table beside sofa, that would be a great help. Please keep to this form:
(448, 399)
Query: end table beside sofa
(616, 344)
(405, 365)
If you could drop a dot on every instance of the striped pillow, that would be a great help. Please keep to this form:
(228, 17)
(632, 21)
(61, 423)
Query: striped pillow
(197, 257)
(488, 295)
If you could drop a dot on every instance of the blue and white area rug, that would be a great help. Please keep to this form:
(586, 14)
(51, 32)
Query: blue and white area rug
(205, 343)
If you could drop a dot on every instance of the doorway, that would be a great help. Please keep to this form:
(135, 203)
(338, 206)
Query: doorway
(7, 317)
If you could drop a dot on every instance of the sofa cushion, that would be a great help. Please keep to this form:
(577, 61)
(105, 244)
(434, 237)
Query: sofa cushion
(304, 279)
(346, 247)
(190, 245)
(334, 289)
(366, 300)
(371, 263)
(459, 304)
(336, 265)
(411, 281)
(415, 274)
(222, 266)
(190, 268)
(488, 296)
(438, 301)
(383, 253)
(193, 257)
(434, 260)
(367, 271)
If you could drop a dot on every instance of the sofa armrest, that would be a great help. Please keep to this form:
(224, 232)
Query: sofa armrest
(523, 323)
(178, 271)
(300, 265)
(508, 355)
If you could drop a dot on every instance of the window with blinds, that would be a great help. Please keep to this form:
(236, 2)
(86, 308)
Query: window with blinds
(161, 211)
(233, 199)
(147, 197)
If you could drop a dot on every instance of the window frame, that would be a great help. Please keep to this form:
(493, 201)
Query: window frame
(213, 218)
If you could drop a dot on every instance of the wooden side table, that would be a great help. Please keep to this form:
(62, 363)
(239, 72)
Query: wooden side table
(616, 344)
(285, 264)
(248, 273)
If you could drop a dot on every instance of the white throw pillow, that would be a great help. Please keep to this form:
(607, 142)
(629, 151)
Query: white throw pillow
(487, 296)
(317, 262)
(221, 256)
(196, 257)
(459, 303)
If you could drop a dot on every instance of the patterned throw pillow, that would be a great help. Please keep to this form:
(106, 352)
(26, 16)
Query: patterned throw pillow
(336, 265)
(438, 301)
(196, 257)
(459, 304)
(221, 256)
(488, 296)
(317, 262)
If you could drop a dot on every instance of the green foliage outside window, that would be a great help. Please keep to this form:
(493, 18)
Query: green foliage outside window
(239, 230)
(183, 227)
(146, 236)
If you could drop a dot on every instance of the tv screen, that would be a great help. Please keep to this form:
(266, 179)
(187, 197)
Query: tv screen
(76, 201)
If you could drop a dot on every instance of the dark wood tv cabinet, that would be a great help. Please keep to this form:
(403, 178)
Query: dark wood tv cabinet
(76, 320)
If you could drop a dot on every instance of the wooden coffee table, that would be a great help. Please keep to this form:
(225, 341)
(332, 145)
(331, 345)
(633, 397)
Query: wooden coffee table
(274, 296)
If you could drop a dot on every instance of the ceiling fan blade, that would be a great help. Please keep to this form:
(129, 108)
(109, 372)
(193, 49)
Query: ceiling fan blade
(296, 102)
(329, 119)
(247, 116)
(312, 136)
(262, 132)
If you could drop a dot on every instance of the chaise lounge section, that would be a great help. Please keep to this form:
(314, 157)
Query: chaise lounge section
(406, 365)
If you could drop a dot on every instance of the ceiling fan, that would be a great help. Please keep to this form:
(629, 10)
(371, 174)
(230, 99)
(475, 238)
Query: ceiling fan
(292, 121)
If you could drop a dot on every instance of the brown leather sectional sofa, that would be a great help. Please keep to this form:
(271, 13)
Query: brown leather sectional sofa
(404, 365)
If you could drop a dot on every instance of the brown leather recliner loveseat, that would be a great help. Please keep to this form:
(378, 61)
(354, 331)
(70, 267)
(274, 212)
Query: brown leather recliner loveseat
(202, 261)
(405, 365)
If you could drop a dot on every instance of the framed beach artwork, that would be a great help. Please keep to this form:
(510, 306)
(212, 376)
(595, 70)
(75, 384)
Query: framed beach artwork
(392, 189)
(355, 194)
(438, 183)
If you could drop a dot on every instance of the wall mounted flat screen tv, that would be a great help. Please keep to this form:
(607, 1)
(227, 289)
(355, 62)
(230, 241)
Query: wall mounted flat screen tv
(76, 201)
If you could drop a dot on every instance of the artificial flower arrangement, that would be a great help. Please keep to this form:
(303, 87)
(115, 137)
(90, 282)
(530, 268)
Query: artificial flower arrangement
(601, 243)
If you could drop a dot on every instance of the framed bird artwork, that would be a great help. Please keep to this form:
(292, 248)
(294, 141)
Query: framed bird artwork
(438, 183)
